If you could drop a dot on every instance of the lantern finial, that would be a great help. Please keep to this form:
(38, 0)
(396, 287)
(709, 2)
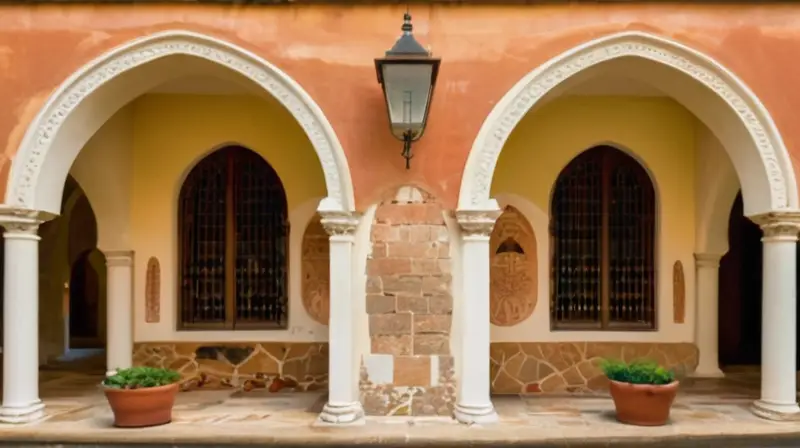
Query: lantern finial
(407, 26)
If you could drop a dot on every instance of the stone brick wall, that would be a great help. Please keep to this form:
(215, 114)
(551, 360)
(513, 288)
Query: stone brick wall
(409, 370)
(573, 367)
(277, 366)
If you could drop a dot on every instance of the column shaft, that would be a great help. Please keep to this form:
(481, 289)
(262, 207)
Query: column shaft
(119, 311)
(474, 404)
(344, 406)
(779, 303)
(21, 401)
(707, 317)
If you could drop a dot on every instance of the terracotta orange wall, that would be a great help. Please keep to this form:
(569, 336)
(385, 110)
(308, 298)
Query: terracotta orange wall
(329, 51)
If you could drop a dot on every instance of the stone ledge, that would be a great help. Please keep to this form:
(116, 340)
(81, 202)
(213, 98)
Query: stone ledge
(348, 437)
(351, 2)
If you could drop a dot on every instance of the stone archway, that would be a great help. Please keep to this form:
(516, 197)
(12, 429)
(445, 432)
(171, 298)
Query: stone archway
(733, 114)
(76, 111)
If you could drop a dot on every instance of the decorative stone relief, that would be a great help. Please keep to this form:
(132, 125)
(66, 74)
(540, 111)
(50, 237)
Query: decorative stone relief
(152, 291)
(678, 293)
(512, 296)
(45, 129)
(316, 271)
(573, 367)
(510, 110)
(276, 366)
(409, 301)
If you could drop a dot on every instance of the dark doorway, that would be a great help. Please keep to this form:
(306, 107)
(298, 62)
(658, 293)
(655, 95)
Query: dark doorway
(740, 292)
(84, 301)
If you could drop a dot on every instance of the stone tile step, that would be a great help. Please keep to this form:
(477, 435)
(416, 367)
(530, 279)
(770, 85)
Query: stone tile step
(727, 441)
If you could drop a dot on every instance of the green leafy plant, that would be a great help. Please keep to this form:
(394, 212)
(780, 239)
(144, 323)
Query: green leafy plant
(141, 377)
(637, 372)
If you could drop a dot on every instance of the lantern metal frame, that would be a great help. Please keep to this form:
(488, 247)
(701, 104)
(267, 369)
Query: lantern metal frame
(407, 51)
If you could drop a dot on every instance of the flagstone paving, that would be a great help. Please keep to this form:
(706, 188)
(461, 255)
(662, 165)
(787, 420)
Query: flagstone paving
(77, 413)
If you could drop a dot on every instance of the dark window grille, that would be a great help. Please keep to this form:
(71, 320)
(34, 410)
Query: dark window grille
(602, 238)
(234, 236)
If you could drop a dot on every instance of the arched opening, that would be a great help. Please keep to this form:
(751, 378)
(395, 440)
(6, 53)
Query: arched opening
(214, 238)
(603, 222)
(671, 109)
(210, 250)
(234, 241)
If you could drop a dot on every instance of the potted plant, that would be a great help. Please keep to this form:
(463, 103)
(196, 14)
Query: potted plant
(642, 391)
(141, 396)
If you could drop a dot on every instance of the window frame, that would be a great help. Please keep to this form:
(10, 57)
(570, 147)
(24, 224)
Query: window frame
(610, 158)
(232, 322)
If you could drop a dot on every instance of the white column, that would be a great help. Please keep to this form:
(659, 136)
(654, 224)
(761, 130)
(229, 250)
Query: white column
(778, 333)
(474, 404)
(344, 405)
(21, 401)
(707, 316)
(119, 311)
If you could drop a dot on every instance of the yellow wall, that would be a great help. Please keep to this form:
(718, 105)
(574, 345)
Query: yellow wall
(656, 131)
(171, 134)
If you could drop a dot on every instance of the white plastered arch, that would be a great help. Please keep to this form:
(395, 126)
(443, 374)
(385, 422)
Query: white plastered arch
(754, 144)
(84, 102)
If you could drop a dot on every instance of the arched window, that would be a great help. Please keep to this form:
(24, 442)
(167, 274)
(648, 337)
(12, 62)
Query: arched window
(602, 225)
(234, 237)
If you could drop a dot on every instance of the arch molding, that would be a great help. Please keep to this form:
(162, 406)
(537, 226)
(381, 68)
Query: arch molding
(40, 140)
(776, 170)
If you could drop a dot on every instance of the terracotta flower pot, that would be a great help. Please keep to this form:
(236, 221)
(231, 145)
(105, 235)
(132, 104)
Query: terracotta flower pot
(137, 408)
(643, 404)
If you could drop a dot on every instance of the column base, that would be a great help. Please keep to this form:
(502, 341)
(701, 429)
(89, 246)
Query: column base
(22, 414)
(472, 414)
(781, 412)
(713, 372)
(341, 414)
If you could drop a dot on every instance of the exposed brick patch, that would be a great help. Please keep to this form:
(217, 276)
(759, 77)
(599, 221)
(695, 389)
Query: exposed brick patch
(409, 299)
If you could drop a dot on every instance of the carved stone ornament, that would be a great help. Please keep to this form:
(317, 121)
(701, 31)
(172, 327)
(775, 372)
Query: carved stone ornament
(512, 296)
(512, 108)
(339, 223)
(43, 132)
(152, 291)
(678, 293)
(477, 222)
(316, 259)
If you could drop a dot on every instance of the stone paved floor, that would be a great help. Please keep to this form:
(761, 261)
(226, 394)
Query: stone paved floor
(77, 412)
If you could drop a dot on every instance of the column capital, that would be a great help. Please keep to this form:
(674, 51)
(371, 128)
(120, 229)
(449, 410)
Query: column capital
(707, 260)
(22, 223)
(778, 226)
(119, 257)
(477, 222)
(338, 223)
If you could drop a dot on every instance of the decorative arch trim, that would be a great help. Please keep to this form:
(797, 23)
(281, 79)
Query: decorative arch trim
(43, 131)
(496, 129)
